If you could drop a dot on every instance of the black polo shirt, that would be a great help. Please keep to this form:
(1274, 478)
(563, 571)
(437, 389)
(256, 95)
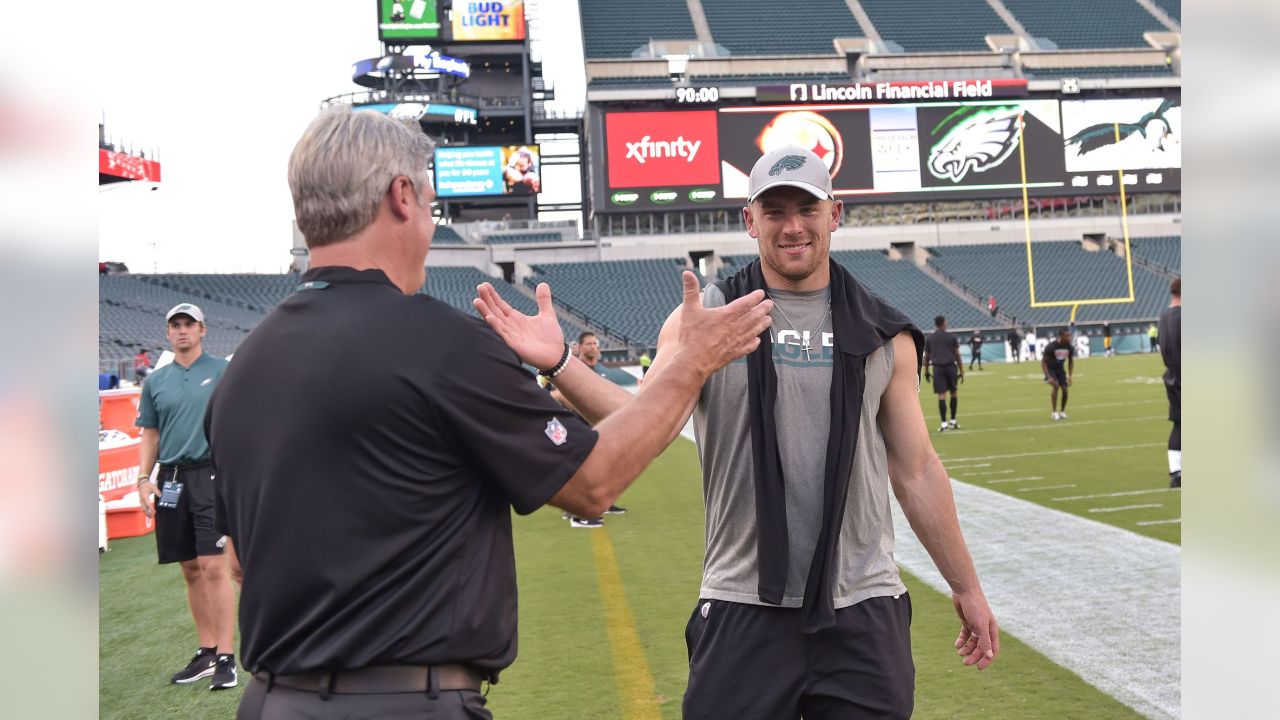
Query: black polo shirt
(944, 348)
(369, 446)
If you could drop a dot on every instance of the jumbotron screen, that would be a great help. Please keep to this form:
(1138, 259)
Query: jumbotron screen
(690, 159)
(480, 170)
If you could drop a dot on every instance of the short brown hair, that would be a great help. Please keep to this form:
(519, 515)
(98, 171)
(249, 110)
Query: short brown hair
(1175, 287)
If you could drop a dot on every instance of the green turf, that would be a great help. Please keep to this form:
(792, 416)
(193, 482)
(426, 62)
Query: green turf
(1115, 402)
(565, 667)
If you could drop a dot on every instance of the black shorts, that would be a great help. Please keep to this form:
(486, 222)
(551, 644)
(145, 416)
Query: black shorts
(944, 378)
(1174, 392)
(1057, 374)
(187, 531)
(752, 662)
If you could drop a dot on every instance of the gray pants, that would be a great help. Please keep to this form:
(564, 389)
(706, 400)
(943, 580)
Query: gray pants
(284, 703)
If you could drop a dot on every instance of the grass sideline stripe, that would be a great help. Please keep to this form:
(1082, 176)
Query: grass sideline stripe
(1017, 479)
(1123, 636)
(1177, 521)
(630, 666)
(1047, 487)
(1122, 508)
(989, 472)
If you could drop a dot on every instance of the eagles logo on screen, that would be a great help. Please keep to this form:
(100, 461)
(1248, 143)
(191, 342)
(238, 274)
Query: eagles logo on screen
(978, 139)
(1154, 127)
(807, 129)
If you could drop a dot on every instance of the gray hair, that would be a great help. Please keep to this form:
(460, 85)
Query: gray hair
(343, 165)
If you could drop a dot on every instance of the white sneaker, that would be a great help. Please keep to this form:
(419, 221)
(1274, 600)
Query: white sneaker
(953, 425)
(942, 427)
(1055, 415)
(1062, 416)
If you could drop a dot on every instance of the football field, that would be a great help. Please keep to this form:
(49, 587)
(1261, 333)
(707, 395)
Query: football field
(602, 612)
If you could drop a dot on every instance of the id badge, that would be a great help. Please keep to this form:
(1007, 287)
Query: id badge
(169, 494)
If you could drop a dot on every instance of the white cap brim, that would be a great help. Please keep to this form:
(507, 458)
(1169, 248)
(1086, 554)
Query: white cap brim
(810, 188)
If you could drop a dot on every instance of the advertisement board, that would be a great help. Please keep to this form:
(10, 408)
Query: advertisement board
(477, 171)
(902, 152)
(406, 21)
(490, 20)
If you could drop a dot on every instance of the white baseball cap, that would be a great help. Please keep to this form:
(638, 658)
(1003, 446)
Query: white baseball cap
(184, 309)
(790, 165)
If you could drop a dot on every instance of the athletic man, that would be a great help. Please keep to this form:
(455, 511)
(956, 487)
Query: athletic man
(802, 611)
(1059, 354)
(1106, 339)
(1015, 343)
(942, 356)
(975, 349)
(1153, 337)
(372, 520)
(589, 354)
(170, 412)
(1171, 351)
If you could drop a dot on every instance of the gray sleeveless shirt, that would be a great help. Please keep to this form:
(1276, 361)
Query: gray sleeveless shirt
(864, 566)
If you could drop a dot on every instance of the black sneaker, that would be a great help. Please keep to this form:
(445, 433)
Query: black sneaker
(577, 522)
(1175, 480)
(224, 673)
(201, 666)
(615, 510)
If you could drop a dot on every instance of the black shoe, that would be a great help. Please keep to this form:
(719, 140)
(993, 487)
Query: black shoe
(1175, 480)
(201, 666)
(615, 510)
(578, 522)
(224, 673)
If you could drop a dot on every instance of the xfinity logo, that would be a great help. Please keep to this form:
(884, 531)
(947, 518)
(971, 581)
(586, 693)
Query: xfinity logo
(645, 148)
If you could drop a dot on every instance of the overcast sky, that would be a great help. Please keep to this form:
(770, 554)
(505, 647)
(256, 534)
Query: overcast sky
(223, 95)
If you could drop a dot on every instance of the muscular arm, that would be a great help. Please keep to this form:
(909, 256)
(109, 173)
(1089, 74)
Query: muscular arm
(149, 450)
(924, 491)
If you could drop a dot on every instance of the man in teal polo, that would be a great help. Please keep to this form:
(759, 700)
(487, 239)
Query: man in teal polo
(171, 414)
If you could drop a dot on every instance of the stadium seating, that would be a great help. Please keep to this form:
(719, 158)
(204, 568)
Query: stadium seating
(457, 287)
(615, 30)
(524, 237)
(936, 25)
(629, 297)
(1110, 71)
(900, 282)
(764, 27)
(1063, 271)
(1166, 252)
(1172, 8)
(717, 80)
(447, 235)
(1087, 23)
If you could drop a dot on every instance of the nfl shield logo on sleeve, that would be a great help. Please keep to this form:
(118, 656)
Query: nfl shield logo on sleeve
(556, 431)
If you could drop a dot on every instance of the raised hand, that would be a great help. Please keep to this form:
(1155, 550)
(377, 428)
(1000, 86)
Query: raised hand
(538, 340)
(711, 338)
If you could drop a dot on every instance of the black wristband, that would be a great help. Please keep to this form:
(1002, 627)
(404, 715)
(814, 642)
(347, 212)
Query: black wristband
(560, 366)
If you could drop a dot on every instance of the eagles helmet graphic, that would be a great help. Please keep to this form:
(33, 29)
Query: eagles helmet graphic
(982, 138)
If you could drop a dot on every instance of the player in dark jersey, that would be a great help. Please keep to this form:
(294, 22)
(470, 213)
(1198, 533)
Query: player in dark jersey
(975, 350)
(942, 357)
(1059, 364)
(1170, 327)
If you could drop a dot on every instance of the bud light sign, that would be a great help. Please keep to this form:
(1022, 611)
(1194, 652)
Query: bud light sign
(488, 20)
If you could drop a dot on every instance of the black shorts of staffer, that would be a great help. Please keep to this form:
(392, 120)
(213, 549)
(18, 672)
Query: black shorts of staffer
(187, 531)
(369, 447)
(752, 662)
(945, 378)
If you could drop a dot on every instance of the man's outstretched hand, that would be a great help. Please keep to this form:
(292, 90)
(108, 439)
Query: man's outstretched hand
(537, 339)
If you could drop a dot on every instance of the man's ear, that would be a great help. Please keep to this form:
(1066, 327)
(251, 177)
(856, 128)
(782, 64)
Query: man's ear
(401, 196)
(750, 221)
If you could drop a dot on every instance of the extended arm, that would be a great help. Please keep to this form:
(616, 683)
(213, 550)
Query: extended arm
(149, 449)
(698, 342)
(924, 491)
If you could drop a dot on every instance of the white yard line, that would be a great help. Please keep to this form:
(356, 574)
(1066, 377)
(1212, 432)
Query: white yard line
(987, 472)
(1053, 423)
(967, 467)
(1175, 521)
(1114, 494)
(1074, 407)
(1122, 508)
(1047, 487)
(1063, 451)
(1017, 479)
(1100, 601)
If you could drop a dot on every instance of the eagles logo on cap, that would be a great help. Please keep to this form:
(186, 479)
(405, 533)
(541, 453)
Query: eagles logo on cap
(790, 165)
